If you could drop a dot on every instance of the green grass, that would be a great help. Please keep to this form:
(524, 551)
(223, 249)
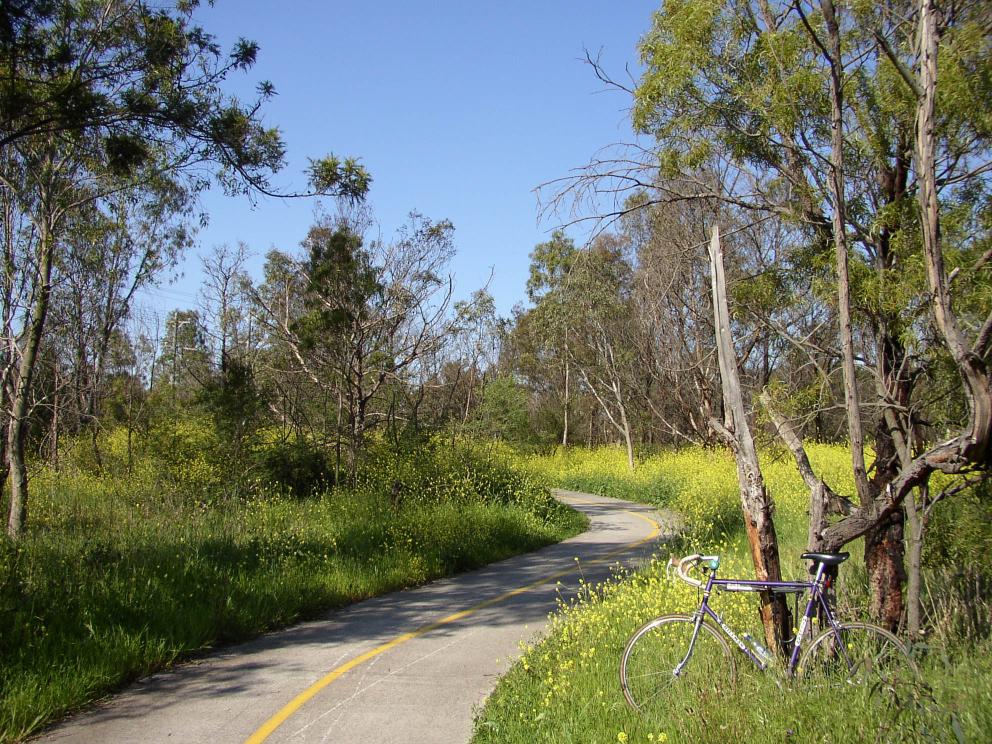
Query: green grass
(121, 576)
(566, 688)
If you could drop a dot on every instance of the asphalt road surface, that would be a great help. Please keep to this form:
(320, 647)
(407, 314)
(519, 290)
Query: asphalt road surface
(411, 666)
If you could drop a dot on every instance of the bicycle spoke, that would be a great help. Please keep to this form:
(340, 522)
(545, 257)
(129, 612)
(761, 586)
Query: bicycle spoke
(655, 652)
(858, 654)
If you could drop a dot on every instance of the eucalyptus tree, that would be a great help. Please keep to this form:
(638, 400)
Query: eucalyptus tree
(184, 355)
(527, 353)
(368, 315)
(552, 316)
(599, 297)
(672, 304)
(475, 345)
(110, 253)
(18, 244)
(949, 158)
(810, 113)
(224, 300)
(579, 337)
(104, 97)
(274, 304)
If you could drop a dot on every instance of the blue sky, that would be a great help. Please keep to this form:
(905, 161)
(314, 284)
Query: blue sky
(458, 109)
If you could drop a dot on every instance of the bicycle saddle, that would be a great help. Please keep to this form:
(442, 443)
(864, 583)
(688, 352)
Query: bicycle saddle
(827, 559)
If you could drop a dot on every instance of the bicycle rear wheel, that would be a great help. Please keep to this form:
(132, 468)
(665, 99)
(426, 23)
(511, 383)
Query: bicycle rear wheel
(657, 649)
(859, 654)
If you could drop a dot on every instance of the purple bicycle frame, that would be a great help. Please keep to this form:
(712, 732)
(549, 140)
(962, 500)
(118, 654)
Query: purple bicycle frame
(816, 599)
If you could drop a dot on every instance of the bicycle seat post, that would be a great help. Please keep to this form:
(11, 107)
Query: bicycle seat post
(818, 569)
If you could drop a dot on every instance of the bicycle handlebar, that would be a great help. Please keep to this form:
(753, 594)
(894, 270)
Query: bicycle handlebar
(693, 560)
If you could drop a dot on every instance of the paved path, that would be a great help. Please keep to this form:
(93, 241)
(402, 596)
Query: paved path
(406, 667)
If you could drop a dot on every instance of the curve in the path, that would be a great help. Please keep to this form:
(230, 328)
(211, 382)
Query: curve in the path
(406, 667)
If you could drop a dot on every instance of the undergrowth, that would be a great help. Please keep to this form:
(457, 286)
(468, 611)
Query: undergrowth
(120, 575)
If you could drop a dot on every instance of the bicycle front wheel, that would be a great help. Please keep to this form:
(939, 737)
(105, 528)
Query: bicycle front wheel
(657, 667)
(858, 654)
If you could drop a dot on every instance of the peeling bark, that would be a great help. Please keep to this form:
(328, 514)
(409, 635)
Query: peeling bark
(886, 575)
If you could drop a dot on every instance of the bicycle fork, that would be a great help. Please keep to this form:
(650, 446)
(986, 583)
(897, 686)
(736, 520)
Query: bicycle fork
(700, 616)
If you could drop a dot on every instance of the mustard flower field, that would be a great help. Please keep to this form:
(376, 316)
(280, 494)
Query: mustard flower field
(566, 688)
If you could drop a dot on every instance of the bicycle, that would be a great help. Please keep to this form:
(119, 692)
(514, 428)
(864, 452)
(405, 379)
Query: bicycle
(656, 659)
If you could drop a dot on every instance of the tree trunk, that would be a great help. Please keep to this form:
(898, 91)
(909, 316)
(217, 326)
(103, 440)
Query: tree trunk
(884, 546)
(95, 402)
(916, 521)
(4, 459)
(628, 440)
(852, 401)
(883, 542)
(17, 432)
(337, 443)
(755, 503)
(884, 563)
(968, 360)
(468, 395)
(54, 428)
(620, 422)
(567, 402)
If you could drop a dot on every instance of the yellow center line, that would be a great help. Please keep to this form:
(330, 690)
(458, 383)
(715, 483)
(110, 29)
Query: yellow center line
(267, 728)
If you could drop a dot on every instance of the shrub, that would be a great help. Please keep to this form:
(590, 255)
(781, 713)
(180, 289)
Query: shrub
(297, 466)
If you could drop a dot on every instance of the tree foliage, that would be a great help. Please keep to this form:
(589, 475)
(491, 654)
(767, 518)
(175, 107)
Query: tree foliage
(112, 117)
